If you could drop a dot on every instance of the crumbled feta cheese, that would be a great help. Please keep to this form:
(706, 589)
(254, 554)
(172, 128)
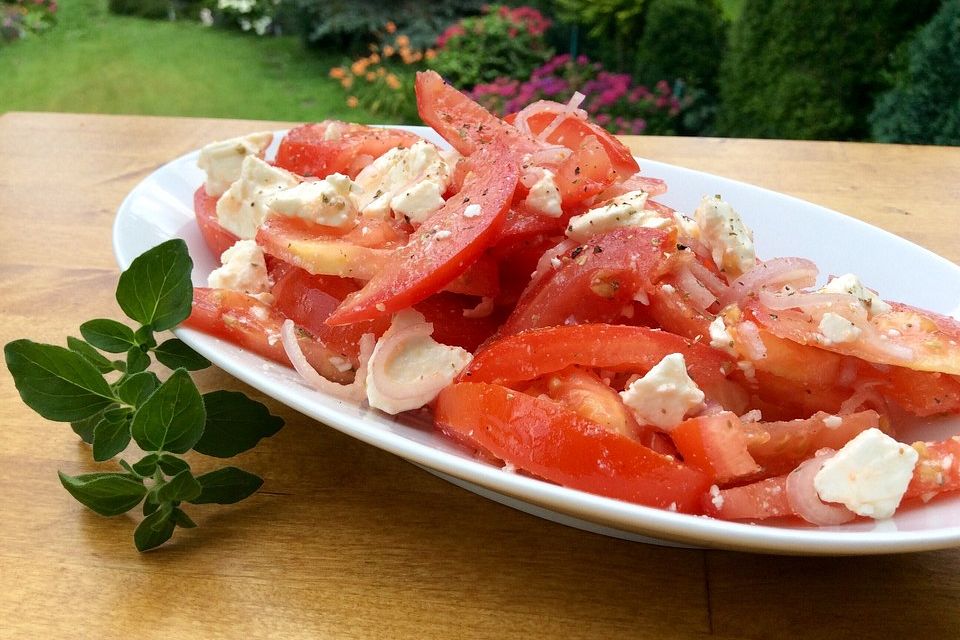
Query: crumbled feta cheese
(410, 182)
(442, 234)
(544, 196)
(850, 284)
(325, 202)
(832, 422)
(720, 337)
(669, 288)
(242, 209)
(665, 394)
(715, 497)
(868, 475)
(334, 130)
(836, 329)
(623, 211)
(244, 269)
(222, 160)
(340, 364)
(728, 238)
(419, 364)
(472, 211)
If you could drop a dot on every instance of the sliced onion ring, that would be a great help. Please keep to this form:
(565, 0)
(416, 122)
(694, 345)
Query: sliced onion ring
(772, 274)
(802, 495)
(356, 390)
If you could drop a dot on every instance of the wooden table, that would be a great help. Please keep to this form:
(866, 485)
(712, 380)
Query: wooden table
(346, 541)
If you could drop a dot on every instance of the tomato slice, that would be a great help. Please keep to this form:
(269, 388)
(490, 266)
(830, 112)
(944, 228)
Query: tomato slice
(463, 123)
(531, 354)
(322, 148)
(937, 470)
(755, 501)
(717, 445)
(443, 247)
(216, 237)
(589, 397)
(313, 249)
(594, 281)
(248, 323)
(548, 440)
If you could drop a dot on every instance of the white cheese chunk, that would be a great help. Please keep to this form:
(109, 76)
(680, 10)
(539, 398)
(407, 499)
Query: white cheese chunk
(222, 160)
(623, 211)
(728, 238)
(243, 269)
(868, 475)
(394, 176)
(242, 209)
(544, 196)
(835, 329)
(417, 365)
(325, 202)
(665, 394)
(850, 284)
(720, 337)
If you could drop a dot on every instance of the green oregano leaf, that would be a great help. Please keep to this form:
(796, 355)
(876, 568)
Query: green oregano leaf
(137, 360)
(156, 289)
(172, 418)
(154, 530)
(111, 436)
(235, 423)
(135, 389)
(108, 335)
(226, 486)
(108, 494)
(182, 487)
(90, 354)
(175, 354)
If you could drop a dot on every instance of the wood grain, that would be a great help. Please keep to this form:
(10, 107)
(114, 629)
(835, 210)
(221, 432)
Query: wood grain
(346, 541)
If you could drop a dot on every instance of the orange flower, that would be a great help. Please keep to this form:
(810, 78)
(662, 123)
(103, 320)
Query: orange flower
(381, 72)
(359, 67)
(347, 82)
(393, 81)
(430, 54)
(352, 102)
(374, 58)
(403, 41)
(371, 76)
(391, 27)
(388, 51)
(337, 72)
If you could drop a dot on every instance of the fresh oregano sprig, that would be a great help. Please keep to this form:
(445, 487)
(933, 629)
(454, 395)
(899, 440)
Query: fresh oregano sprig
(110, 402)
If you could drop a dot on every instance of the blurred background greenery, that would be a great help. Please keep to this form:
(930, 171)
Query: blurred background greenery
(886, 70)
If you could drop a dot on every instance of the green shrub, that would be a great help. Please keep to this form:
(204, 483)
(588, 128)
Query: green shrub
(809, 69)
(350, 25)
(924, 104)
(503, 42)
(609, 28)
(155, 9)
(682, 39)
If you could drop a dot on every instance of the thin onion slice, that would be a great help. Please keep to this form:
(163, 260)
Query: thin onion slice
(804, 500)
(389, 345)
(699, 295)
(750, 342)
(570, 109)
(545, 264)
(356, 390)
(806, 301)
(771, 274)
(708, 278)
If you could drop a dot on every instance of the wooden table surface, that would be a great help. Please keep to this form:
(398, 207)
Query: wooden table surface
(346, 541)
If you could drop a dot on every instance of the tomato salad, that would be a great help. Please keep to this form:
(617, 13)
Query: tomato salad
(527, 288)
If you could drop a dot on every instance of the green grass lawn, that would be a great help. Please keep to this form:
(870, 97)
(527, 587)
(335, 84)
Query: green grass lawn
(93, 61)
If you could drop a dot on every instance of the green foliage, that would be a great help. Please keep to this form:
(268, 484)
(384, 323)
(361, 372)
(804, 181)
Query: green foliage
(924, 104)
(155, 9)
(503, 42)
(349, 25)
(164, 418)
(682, 39)
(609, 28)
(809, 70)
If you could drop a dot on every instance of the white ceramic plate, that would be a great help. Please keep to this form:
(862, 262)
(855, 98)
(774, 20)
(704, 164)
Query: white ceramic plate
(161, 207)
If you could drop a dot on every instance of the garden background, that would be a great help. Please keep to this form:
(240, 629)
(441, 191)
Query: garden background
(885, 70)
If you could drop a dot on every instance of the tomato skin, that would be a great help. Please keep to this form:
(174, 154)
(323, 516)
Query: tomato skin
(305, 151)
(451, 327)
(589, 397)
(531, 354)
(756, 501)
(717, 445)
(937, 470)
(216, 237)
(429, 261)
(252, 325)
(921, 393)
(594, 281)
(552, 442)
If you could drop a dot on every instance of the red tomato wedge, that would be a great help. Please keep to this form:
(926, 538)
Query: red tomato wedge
(937, 470)
(531, 354)
(543, 438)
(216, 237)
(594, 281)
(249, 323)
(717, 445)
(322, 148)
(756, 501)
(303, 245)
(443, 247)
(462, 122)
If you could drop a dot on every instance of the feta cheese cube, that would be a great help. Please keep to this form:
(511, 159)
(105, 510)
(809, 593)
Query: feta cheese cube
(868, 475)
(413, 361)
(243, 269)
(544, 196)
(395, 176)
(728, 238)
(222, 160)
(242, 209)
(327, 202)
(835, 329)
(850, 284)
(720, 337)
(623, 211)
(665, 394)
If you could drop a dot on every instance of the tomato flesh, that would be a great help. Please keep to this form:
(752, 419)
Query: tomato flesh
(717, 445)
(550, 441)
(216, 237)
(319, 150)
